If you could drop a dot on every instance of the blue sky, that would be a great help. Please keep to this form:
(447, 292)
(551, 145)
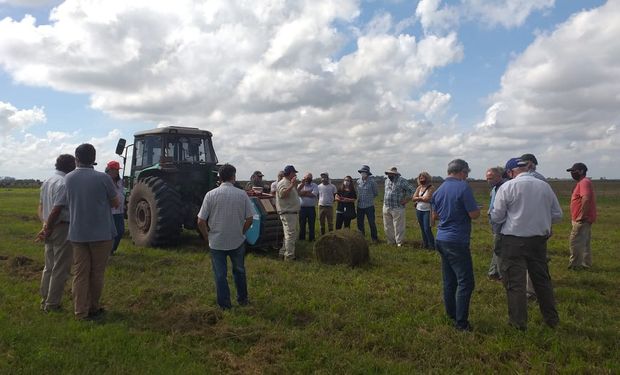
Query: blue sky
(291, 85)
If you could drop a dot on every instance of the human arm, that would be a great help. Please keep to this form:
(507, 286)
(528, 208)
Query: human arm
(247, 224)
(285, 190)
(203, 228)
(48, 226)
(40, 212)
(471, 206)
(407, 189)
(500, 207)
(556, 210)
(586, 200)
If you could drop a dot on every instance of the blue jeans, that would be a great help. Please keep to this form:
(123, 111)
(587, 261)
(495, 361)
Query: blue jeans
(119, 223)
(424, 219)
(369, 212)
(458, 280)
(307, 214)
(220, 269)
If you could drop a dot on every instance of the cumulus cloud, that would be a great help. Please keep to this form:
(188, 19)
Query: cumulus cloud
(505, 13)
(276, 81)
(560, 96)
(12, 118)
(33, 156)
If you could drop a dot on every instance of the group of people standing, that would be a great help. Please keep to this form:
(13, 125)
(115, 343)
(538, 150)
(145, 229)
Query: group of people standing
(79, 227)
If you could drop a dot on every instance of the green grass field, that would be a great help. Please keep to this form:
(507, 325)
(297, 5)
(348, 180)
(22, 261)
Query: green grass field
(305, 317)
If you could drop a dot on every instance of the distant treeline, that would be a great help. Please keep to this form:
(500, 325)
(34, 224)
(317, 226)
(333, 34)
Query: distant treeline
(13, 182)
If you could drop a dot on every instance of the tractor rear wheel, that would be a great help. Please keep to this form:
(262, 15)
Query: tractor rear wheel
(154, 213)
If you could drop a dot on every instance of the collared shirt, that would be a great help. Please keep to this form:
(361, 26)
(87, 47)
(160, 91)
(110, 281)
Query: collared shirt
(327, 194)
(290, 203)
(526, 206)
(396, 191)
(88, 194)
(53, 193)
(495, 228)
(120, 193)
(583, 189)
(452, 202)
(537, 175)
(225, 210)
(366, 192)
(310, 201)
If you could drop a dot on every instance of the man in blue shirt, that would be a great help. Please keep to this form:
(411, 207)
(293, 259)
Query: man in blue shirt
(366, 193)
(454, 205)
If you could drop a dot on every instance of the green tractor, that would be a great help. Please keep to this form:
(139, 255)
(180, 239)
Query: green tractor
(172, 168)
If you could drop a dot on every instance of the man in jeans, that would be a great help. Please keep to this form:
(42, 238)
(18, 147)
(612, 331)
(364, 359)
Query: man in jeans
(366, 193)
(90, 194)
(526, 207)
(453, 204)
(309, 193)
(224, 217)
(54, 214)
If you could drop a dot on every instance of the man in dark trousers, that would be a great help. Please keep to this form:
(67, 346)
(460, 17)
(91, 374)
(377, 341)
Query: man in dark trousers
(526, 207)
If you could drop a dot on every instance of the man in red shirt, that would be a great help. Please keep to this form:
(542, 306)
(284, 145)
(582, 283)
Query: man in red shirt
(583, 214)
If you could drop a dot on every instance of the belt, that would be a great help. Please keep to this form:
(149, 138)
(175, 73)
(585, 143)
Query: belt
(63, 222)
(289, 213)
(326, 206)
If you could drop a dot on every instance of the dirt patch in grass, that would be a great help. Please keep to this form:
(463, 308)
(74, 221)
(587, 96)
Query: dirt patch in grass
(3, 257)
(23, 267)
(265, 356)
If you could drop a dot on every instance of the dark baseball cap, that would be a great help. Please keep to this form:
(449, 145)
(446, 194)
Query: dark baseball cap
(578, 167)
(529, 157)
(289, 169)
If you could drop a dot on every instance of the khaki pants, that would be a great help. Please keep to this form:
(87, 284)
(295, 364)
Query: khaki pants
(89, 260)
(58, 259)
(580, 250)
(290, 224)
(326, 212)
(394, 225)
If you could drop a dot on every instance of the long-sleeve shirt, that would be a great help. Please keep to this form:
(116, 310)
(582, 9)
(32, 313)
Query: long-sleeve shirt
(396, 191)
(366, 193)
(526, 207)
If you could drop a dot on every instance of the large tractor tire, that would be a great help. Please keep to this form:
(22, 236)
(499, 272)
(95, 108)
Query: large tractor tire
(154, 213)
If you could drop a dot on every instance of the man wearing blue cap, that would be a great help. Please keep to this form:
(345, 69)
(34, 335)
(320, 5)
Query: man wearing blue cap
(526, 207)
(288, 206)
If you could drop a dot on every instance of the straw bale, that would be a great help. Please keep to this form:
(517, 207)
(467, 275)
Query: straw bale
(342, 247)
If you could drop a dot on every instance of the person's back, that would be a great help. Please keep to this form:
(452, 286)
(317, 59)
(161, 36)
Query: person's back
(452, 203)
(89, 193)
(227, 209)
(530, 206)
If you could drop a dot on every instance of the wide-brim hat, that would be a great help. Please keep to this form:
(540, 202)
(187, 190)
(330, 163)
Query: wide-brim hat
(364, 169)
(392, 170)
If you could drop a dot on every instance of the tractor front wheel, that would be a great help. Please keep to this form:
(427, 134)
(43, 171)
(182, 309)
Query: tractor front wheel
(154, 213)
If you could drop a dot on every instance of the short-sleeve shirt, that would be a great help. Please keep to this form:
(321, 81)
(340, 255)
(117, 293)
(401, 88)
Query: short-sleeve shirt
(53, 194)
(310, 201)
(290, 203)
(88, 194)
(120, 193)
(453, 202)
(225, 210)
(583, 189)
(346, 194)
(327, 194)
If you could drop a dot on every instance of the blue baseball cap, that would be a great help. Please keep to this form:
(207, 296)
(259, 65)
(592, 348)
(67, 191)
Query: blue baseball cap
(513, 163)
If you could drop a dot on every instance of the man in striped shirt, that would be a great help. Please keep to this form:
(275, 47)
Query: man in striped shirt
(226, 214)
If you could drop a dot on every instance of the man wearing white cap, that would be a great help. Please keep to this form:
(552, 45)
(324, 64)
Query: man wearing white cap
(398, 192)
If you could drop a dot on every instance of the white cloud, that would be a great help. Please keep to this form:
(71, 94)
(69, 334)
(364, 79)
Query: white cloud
(32, 156)
(436, 19)
(560, 96)
(274, 80)
(506, 13)
(12, 118)
(28, 3)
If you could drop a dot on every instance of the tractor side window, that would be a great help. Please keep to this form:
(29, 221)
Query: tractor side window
(138, 152)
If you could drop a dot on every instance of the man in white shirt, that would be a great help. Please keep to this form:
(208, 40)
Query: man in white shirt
(327, 196)
(226, 214)
(526, 207)
(54, 214)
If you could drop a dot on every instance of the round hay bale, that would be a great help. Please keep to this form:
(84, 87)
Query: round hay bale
(342, 247)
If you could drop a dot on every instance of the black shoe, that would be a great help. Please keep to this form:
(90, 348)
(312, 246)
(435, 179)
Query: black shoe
(52, 309)
(466, 328)
(97, 314)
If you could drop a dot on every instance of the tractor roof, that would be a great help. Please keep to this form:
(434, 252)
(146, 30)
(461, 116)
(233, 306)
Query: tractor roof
(175, 130)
